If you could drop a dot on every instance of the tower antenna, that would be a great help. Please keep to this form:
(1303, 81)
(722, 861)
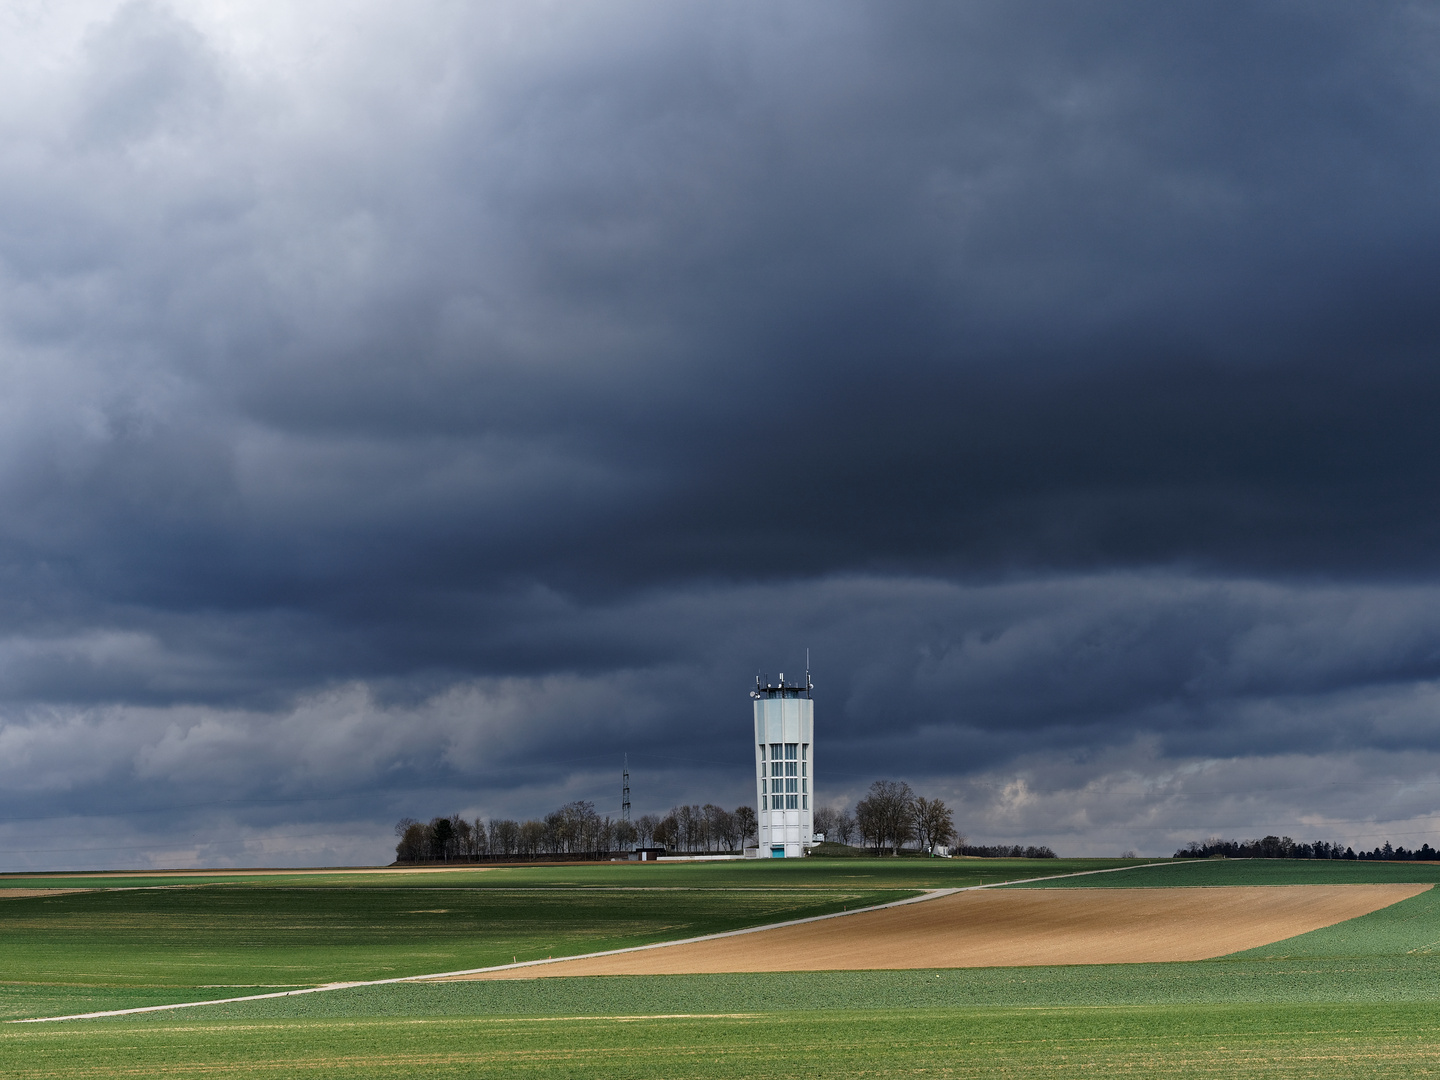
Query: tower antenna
(625, 792)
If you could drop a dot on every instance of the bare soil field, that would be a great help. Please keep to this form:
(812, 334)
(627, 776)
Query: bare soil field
(20, 894)
(1012, 928)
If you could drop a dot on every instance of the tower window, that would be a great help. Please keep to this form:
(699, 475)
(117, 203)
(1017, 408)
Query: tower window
(777, 802)
(792, 802)
(791, 751)
(762, 751)
(789, 768)
(790, 784)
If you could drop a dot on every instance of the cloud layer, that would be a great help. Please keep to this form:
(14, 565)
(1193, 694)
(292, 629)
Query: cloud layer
(416, 410)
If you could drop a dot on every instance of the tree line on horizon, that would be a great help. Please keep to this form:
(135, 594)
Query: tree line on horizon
(574, 831)
(889, 818)
(1282, 847)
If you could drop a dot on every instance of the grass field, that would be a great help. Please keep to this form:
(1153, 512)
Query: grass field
(1214, 1040)
(150, 939)
(112, 949)
(1209, 872)
(1350, 1000)
(793, 873)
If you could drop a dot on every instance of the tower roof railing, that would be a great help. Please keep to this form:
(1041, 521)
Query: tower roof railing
(782, 689)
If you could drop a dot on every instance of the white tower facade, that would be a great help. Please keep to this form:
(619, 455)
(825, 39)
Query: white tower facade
(784, 766)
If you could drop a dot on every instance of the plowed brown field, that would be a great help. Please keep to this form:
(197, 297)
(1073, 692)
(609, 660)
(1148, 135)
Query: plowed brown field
(1012, 928)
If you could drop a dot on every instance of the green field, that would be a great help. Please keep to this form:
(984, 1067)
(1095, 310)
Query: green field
(1203, 872)
(1357, 999)
(147, 939)
(1225, 1041)
(794, 873)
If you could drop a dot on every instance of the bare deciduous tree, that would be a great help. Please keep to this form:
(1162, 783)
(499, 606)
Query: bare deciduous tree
(824, 822)
(625, 835)
(504, 836)
(414, 845)
(532, 838)
(886, 815)
(667, 832)
(724, 833)
(845, 827)
(745, 823)
(934, 824)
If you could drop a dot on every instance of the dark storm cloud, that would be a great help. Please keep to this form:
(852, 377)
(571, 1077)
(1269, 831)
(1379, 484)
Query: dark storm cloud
(984, 288)
(472, 395)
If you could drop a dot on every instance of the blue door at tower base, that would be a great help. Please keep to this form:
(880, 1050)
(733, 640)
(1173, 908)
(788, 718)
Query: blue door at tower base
(777, 851)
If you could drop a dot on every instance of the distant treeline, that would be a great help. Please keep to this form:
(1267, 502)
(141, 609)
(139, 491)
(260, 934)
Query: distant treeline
(890, 817)
(1282, 847)
(575, 831)
(1015, 851)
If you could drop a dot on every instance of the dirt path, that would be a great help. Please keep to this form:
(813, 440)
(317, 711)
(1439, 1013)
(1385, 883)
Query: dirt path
(1011, 928)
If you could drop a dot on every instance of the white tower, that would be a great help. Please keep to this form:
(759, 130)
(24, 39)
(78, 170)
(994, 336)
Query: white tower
(784, 766)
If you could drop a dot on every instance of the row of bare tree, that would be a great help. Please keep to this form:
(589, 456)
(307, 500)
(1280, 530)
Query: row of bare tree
(700, 828)
(575, 830)
(891, 817)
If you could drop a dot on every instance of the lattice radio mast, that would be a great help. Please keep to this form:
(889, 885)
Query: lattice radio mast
(625, 792)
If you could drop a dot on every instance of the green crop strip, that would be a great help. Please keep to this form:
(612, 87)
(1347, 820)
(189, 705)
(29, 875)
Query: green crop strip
(1211, 872)
(760, 873)
(1309, 1041)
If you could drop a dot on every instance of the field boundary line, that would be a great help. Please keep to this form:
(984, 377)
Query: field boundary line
(929, 894)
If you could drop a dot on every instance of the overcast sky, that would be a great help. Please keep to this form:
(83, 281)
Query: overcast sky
(415, 408)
